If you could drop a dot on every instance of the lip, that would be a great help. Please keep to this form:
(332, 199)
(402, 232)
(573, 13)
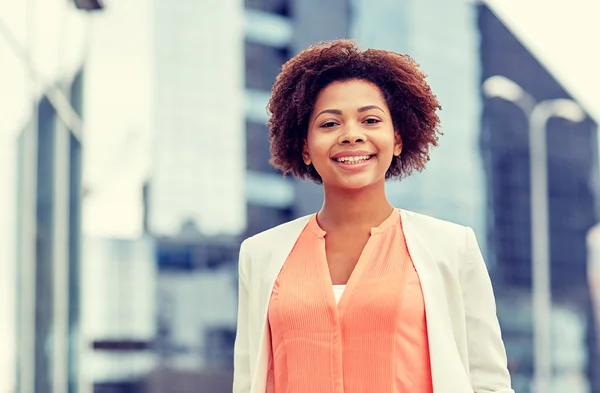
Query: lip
(352, 153)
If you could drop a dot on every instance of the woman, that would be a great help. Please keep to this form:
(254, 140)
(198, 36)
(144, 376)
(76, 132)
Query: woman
(362, 297)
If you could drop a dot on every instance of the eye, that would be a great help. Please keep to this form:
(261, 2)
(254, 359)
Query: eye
(329, 124)
(372, 121)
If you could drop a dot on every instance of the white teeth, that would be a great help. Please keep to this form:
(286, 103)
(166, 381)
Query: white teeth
(353, 159)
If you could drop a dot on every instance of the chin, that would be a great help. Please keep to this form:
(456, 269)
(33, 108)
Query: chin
(357, 184)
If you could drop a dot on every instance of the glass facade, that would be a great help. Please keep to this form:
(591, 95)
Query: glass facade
(49, 218)
(263, 63)
(199, 118)
(268, 32)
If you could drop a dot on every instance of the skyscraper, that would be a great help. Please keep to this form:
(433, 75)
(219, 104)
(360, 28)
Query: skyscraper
(197, 161)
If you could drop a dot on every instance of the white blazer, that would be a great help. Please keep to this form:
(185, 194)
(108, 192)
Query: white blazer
(466, 349)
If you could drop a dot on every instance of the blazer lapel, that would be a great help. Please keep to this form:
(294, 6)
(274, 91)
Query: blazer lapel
(446, 366)
(283, 240)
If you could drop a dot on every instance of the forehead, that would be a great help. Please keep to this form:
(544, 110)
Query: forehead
(347, 94)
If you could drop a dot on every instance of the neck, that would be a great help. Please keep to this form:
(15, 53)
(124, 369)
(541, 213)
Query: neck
(362, 209)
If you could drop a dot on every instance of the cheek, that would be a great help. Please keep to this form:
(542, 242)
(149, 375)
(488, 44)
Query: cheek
(386, 143)
(318, 147)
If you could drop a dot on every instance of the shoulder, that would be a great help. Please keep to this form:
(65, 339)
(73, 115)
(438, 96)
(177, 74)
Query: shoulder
(270, 247)
(425, 222)
(284, 232)
(435, 232)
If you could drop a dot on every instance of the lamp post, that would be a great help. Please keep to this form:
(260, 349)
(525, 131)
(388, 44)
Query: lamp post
(537, 115)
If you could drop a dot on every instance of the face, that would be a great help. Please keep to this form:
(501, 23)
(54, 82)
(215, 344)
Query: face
(351, 139)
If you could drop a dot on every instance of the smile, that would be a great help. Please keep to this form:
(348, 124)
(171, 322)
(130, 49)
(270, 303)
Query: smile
(353, 159)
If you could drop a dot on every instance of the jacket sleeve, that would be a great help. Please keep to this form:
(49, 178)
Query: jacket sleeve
(241, 359)
(487, 355)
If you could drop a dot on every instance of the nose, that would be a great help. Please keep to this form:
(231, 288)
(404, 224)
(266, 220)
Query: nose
(352, 134)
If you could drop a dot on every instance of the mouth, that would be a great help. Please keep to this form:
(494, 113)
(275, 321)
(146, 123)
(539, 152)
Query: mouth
(353, 160)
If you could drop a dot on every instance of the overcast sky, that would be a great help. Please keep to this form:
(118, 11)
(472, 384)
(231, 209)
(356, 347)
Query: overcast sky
(563, 35)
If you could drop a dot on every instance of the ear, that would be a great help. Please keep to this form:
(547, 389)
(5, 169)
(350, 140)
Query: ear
(305, 155)
(397, 144)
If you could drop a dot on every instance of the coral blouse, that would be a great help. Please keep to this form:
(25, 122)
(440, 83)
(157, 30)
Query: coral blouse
(373, 340)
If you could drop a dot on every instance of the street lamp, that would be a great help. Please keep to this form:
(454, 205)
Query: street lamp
(537, 115)
(89, 5)
(499, 86)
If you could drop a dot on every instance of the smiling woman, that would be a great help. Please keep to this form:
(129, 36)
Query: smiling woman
(362, 296)
(402, 90)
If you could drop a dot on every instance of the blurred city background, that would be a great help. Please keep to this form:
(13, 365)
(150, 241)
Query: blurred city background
(134, 160)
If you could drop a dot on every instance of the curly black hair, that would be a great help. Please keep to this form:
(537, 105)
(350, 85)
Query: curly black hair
(412, 104)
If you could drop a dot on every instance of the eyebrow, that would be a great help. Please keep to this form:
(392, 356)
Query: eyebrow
(359, 110)
(369, 107)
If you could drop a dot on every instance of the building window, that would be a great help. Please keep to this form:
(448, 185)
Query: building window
(261, 218)
(257, 148)
(266, 189)
(219, 347)
(263, 63)
(267, 28)
(256, 106)
(281, 7)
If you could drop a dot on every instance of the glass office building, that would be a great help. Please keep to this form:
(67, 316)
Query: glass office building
(197, 155)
